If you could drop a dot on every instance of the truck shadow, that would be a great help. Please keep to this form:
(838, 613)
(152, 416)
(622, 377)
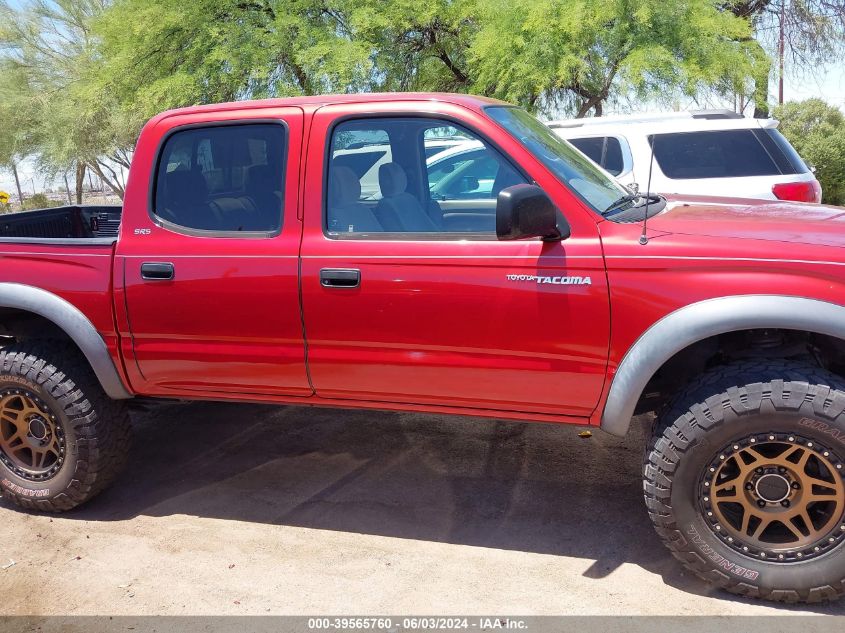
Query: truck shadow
(508, 485)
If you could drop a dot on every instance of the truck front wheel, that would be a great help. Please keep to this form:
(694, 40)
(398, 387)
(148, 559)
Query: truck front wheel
(745, 480)
(62, 440)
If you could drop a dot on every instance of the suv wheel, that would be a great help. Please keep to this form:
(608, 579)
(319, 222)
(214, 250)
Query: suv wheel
(62, 440)
(745, 480)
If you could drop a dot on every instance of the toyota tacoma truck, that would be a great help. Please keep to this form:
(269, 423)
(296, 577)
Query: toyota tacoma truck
(509, 278)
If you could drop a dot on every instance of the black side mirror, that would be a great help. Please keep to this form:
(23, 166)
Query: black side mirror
(526, 211)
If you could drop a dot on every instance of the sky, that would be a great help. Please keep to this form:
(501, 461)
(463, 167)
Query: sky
(827, 84)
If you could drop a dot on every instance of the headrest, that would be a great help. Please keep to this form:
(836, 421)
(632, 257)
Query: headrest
(183, 188)
(392, 179)
(344, 186)
(262, 178)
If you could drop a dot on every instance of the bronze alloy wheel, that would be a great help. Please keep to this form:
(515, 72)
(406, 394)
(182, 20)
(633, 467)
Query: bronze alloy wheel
(779, 497)
(32, 442)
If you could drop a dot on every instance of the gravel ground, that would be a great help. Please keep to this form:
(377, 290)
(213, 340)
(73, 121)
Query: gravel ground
(247, 509)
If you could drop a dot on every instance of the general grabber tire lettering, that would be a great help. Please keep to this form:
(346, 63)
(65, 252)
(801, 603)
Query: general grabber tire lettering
(62, 440)
(743, 480)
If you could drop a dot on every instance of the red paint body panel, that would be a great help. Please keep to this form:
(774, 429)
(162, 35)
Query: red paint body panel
(435, 325)
(81, 275)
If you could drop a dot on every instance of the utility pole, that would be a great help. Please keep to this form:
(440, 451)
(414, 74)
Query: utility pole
(780, 50)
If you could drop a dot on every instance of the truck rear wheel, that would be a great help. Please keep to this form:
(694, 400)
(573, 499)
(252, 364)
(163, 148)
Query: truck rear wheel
(745, 480)
(62, 440)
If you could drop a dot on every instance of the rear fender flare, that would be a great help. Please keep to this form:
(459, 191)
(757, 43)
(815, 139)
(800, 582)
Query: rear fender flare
(699, 321)
(72, 322)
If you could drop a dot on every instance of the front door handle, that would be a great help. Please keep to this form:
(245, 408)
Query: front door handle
(157, 271)
(340, 278)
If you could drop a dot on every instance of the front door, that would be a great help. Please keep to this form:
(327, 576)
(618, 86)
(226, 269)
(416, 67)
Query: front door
(211, 281)
(409, 297)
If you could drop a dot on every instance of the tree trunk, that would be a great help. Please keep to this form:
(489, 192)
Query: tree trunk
(80, 180)
(589, 104)
(114, 183)
(67, 190)
(17, 183)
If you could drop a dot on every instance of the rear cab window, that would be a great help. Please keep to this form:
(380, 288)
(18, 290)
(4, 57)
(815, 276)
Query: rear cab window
(224, 179)
(725, 154)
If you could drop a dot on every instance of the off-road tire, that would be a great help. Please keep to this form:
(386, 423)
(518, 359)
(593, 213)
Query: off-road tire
(712, 412)
(95, 429)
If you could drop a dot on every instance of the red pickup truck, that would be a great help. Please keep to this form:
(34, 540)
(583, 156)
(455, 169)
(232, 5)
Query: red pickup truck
(449, 254)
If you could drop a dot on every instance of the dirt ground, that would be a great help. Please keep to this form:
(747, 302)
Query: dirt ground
(246, 509)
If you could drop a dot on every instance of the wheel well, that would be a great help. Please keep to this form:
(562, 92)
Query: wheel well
(20, 325)
(820, 349)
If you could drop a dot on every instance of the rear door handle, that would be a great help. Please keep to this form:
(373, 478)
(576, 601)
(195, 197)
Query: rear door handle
(340, 278)
(157, 271)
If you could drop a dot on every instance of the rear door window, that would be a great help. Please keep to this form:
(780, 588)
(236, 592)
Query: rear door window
(225, 179)
(718, 154)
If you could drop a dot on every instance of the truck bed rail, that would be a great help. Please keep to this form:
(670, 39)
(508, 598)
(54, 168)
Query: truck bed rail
(76, 222)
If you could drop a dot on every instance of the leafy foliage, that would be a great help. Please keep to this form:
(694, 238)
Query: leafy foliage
(817, 132)
(581, 52)
(540, 53)
(158, 54)
(58, 111)
(38, 201)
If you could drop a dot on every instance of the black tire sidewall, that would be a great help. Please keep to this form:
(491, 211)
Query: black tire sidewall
(687, 492)
(64, 478)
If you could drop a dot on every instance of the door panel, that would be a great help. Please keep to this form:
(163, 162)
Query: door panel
(229, 319)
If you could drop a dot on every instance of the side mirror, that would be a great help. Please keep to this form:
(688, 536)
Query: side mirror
(526, 211)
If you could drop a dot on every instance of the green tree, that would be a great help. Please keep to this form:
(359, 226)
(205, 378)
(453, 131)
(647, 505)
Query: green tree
(574, 54)
(18, 122)
(580, 53)
(416, 45)
(817, 132)
(48, 53)
(158, 54)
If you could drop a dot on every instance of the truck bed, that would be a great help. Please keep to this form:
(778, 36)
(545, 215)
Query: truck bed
(99, 224)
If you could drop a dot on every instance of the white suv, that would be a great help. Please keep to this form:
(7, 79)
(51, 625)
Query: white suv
(709, 152)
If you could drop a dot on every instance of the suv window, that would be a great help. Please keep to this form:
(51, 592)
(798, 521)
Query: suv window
(602, 150)
(228, 178)
(721, 154)
(412, 175)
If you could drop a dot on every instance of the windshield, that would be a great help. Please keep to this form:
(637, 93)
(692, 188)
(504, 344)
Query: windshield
(574, 169)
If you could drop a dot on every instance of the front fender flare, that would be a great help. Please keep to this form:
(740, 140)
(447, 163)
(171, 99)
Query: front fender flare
(699, 321)
(73, 323)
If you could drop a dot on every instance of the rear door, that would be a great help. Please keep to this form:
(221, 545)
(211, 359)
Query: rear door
(409, 297)
(210, 272)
